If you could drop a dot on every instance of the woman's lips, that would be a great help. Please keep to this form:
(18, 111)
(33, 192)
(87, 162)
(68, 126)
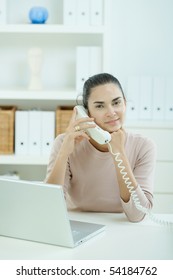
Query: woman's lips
(112, 122)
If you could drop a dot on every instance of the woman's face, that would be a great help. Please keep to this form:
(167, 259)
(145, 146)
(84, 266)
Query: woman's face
(107, 106)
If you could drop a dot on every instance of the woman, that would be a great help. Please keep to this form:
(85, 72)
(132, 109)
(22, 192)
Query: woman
(88, 171)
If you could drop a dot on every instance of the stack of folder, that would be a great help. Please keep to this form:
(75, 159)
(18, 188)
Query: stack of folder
(83, 12)
(88, 63)
(34, 132)
(149, 98)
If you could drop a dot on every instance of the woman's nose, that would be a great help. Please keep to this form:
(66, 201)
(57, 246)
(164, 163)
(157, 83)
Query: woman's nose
(111, 112)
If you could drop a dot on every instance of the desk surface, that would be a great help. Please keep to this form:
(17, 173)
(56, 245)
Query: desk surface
(120, 240)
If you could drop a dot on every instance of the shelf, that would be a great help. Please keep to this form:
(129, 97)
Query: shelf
(50, 28)
(150, 124)
(68, 94)
(23, 160)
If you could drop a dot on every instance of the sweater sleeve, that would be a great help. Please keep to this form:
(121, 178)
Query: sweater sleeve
(53, 155)
(144, 173)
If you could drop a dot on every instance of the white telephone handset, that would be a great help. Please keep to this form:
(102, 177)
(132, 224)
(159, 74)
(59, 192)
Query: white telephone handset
(98, 134)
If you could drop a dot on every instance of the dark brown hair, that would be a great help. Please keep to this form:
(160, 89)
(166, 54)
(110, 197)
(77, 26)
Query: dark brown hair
(97, 80)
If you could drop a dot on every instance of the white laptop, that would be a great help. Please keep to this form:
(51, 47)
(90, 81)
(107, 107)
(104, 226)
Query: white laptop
(37, 212)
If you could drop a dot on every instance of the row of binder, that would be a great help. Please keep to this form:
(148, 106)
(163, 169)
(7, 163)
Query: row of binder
(2, 11)
(149, 98)
(88, 63)
(83, 12)
(34, 132)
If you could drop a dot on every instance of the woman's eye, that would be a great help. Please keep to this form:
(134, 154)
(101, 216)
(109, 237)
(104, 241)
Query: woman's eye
(116, 103)
(99, 106)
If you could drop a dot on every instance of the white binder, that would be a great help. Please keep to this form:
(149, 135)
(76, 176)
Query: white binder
(96, 12)
(169, 99)
(83, 10)
(35, 133)
(3, 19)
(88, 63)
(95, 60)
(158, 98)
(47, 131)
(145, 100)
(69, 12)
(82, 67)
(133, 98)
(21, 132)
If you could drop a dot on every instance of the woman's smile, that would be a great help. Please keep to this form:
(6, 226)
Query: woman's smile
(112, 122)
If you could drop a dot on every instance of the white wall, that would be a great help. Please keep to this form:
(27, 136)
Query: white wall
(142, 41)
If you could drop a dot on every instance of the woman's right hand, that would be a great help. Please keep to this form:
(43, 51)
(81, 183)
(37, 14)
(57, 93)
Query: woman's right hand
(75, 132)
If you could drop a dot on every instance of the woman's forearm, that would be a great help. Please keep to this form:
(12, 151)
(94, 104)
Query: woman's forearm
(124, 192)
(57, 175)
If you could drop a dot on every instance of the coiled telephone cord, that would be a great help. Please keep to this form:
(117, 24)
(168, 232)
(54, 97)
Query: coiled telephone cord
(134, 194)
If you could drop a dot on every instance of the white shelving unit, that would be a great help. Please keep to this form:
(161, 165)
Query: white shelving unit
(50, 29)
(45, 99)
(68, 94)
(59, 43)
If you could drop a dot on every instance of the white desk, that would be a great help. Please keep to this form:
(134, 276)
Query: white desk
(121, 240)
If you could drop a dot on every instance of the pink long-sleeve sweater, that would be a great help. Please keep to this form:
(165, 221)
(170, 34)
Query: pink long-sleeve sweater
(91, 180)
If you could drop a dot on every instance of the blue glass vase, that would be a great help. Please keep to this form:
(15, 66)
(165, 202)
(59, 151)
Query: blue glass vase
(38, 15)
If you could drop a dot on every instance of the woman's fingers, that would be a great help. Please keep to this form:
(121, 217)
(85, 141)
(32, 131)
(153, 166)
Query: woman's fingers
(73, 117)
(81, 120)
(83, 127)
(80, 135)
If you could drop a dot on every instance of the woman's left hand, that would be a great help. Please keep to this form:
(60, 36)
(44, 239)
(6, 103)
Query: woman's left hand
(118, 141)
